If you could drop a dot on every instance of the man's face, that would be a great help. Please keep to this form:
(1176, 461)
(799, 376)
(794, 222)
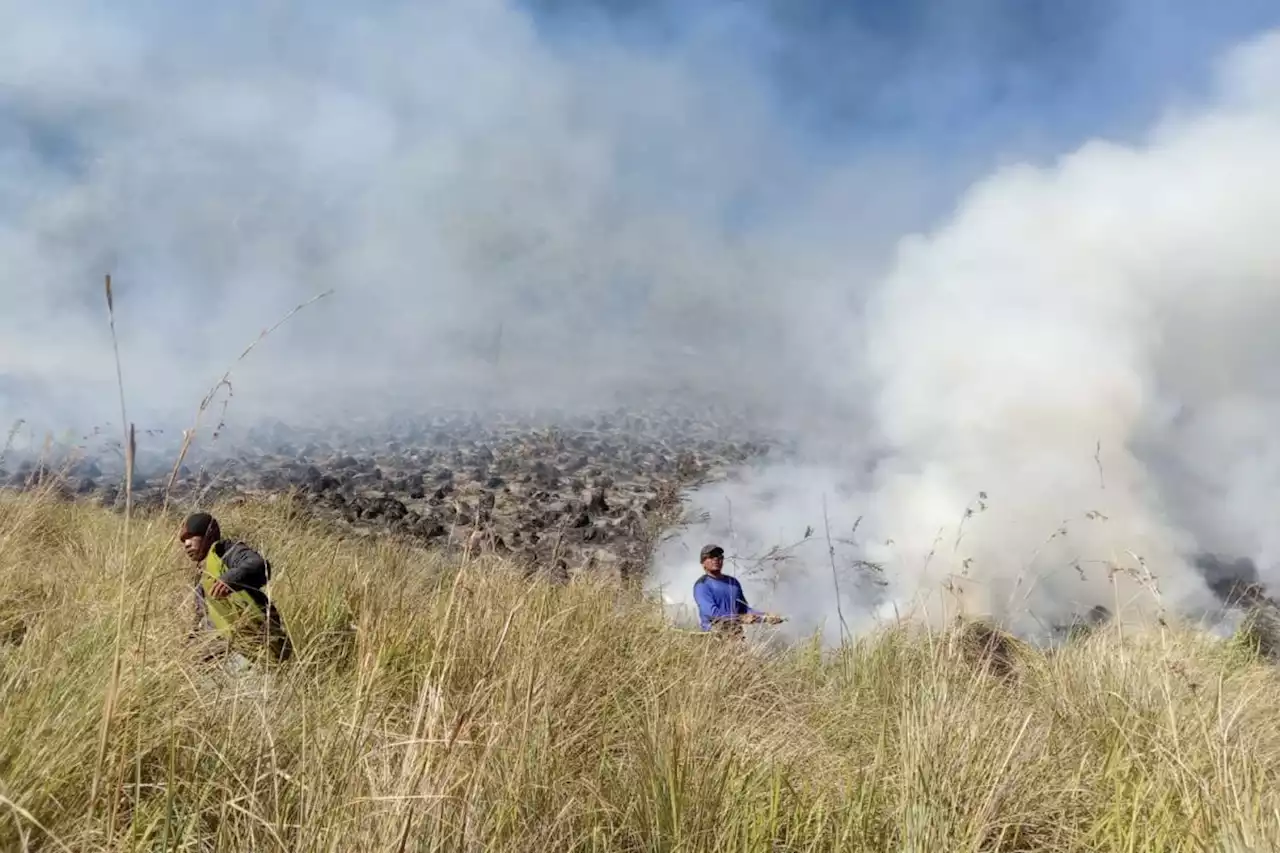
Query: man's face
(714, 564)
(195, 547)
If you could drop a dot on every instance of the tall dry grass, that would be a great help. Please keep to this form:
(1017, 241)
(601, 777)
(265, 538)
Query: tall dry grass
(438, 706)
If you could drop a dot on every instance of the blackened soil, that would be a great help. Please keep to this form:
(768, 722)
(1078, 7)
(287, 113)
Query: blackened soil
(565, 495)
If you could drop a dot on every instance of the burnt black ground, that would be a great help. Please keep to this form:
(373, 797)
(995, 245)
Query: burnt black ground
(587, 492)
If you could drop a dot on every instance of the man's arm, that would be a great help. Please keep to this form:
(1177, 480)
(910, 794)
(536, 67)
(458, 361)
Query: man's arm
(741, 602)
(245, 568)
(745, 609)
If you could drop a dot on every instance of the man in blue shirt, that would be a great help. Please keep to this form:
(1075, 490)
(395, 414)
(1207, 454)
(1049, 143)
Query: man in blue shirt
(721, 602)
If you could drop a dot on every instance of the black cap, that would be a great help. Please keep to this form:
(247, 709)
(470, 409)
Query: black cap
(199, 524)
(710, 551)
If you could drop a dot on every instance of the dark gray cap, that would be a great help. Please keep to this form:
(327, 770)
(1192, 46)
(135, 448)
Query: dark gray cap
(710, 551)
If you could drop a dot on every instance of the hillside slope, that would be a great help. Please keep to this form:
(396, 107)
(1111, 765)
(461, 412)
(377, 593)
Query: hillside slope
(457, 706)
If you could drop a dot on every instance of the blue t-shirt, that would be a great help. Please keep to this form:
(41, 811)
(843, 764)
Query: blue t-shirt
(718, 598)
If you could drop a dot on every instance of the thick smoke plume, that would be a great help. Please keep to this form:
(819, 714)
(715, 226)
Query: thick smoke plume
(1074, 388)
(499, 215)
(515, 201)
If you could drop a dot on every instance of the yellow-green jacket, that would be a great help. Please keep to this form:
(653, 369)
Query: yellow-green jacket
(246, 619)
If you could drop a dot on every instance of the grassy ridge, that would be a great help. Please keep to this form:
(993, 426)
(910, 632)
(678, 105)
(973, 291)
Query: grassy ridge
(447, 707)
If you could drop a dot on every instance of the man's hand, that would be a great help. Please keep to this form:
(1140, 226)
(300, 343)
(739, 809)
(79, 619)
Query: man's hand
(767, 618)
(220, 590)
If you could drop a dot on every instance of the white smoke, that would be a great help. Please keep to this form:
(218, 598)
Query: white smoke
(449, 172)
(1075, 381)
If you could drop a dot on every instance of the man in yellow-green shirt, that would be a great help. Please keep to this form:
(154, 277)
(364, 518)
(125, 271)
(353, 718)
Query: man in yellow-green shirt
(230, 599)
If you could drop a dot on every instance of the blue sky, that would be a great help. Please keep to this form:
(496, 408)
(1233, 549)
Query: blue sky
(963, 80)
(958, 87)
(959, 74)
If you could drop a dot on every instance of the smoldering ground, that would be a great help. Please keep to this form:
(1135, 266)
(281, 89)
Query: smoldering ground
(517, 212)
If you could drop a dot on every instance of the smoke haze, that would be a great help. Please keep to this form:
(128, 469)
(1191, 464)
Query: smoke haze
(1074, 386)
(851, 219)
(462, 183)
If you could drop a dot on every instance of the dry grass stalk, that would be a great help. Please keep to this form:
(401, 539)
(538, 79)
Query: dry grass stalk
(188, 435)
(130, 445)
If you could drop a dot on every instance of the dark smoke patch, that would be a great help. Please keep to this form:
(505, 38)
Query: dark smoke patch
(1234, 580)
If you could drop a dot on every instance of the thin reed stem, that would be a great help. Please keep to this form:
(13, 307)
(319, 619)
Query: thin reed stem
(113, 685)
(188, 435)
